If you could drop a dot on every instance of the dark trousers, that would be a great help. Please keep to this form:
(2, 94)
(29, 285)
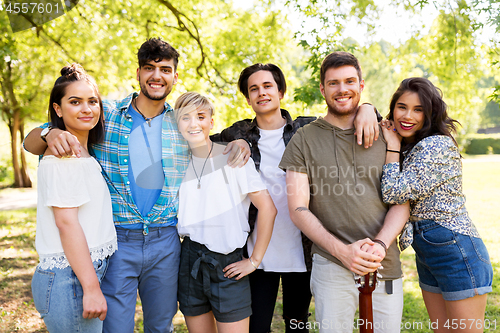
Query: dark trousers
(296, 299)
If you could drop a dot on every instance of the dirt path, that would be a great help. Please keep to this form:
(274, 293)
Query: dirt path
(11, 198)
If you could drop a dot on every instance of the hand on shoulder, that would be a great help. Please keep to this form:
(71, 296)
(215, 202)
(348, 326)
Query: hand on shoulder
(62, 144)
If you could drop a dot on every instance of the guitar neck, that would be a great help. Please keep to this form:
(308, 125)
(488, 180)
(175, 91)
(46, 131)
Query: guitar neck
(365, 313)
(367, 285)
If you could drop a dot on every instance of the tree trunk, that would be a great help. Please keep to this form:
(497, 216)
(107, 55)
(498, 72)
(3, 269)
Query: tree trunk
(21, 176)
(16, 121)
(24, 166)
(13, 145)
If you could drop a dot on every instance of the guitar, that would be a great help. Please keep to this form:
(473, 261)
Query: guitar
(366, 285)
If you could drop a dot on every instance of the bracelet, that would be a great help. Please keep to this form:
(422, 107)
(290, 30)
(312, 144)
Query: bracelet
(378, 241)
(393, 151)
(252, 263)
(379, 117)
(248, 141)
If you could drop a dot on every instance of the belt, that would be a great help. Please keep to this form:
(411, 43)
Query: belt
(209, 264)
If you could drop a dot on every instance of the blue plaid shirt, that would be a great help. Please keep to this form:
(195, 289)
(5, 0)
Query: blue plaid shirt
(112, 154)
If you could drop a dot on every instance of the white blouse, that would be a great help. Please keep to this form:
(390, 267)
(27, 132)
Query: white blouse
(67, 183)
(216, 214)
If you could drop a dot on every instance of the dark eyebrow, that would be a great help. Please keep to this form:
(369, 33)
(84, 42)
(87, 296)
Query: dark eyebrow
(267, 82)
(401, 103)
(153, 65)
(337, 80)
(76, 97)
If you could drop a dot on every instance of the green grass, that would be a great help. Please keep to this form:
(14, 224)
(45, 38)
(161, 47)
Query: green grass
(18, 259)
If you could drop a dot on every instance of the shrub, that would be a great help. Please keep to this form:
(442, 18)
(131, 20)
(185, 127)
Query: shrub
(483, 146)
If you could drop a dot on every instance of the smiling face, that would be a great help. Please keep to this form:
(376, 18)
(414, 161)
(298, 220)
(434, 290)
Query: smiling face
(263, 94)
(79, 108)
(409, 115)
(195, 127)
(342, 90)
(157, 79)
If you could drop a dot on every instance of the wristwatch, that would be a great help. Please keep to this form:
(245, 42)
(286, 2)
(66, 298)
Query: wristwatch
(45, 132)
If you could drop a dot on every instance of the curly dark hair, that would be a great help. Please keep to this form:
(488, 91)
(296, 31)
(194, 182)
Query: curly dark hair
(155, 49)
(436, 119)
(247, 72)
(70, 74)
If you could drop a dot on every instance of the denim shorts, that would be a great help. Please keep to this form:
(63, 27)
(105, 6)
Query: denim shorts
(449, 263)
(58, 296)
(203, 287)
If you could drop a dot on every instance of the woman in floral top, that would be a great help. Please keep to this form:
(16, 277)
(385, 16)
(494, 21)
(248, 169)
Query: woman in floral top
(453, 265)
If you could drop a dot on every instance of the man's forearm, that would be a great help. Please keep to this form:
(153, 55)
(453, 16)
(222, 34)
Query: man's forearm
(394, 222)
(311, 226)
(224, 136)
(33, 143)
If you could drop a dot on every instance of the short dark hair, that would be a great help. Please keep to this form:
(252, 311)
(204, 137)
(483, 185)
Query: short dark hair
(69, 75)
(247, 72)
(436, 119)
(155, 49)
(339, 59)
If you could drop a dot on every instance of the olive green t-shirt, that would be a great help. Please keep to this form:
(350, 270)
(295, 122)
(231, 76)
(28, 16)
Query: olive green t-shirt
(344, 180)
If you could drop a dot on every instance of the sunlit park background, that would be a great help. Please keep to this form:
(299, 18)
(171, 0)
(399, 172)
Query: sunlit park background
(453, 43)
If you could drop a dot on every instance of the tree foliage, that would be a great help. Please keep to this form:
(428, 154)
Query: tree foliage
(449, 55)
(322, 26)
(491, 115)
(215, 41)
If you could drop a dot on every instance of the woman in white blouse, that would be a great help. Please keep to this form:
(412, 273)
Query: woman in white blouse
(75, 233)
(214, 289)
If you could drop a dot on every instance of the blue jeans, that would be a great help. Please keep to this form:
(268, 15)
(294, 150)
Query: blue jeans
(58, 296)
(148, 263)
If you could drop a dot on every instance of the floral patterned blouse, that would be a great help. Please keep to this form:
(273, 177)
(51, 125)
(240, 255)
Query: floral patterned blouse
(432, 180)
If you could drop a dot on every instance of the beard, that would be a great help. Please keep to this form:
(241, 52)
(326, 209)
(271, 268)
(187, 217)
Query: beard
(144, 91)
(344, 111)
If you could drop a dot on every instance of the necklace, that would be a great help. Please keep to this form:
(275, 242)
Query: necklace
(203, 168)
(148, 120)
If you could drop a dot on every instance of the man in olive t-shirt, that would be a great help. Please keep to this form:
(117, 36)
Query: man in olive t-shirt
(334, 197)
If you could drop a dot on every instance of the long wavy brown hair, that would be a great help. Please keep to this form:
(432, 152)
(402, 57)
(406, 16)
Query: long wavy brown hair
(436, 119)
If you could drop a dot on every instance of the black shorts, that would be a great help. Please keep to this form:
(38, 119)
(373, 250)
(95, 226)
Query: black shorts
(208, 290)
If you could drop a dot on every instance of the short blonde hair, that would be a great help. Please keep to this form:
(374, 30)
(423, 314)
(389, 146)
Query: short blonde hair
(191, 101)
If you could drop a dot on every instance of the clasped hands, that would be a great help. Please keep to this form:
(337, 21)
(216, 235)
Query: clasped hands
(363, 256)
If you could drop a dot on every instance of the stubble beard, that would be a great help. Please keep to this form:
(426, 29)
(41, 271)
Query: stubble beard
(144, 91)
(336, 112)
